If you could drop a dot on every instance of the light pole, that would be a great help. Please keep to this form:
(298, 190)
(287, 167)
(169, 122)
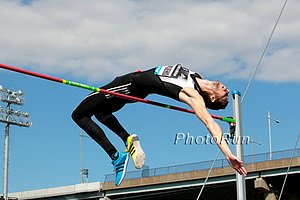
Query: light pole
(84, 172)
(270, 131)
(11, 117)
(253, 142)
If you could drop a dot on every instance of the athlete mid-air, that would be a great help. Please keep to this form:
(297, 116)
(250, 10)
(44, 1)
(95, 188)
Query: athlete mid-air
(176, 82)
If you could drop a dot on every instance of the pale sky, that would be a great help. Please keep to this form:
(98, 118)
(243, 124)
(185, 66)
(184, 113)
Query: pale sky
(97, 39)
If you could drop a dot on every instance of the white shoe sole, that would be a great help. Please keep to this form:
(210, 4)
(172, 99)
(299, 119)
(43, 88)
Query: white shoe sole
(139, 159)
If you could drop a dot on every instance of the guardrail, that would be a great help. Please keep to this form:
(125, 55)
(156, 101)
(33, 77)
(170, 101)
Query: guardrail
(220, 163)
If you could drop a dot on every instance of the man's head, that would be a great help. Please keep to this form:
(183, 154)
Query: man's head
(216, 97)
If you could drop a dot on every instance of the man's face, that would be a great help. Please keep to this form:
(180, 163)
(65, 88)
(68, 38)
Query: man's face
(220, 91)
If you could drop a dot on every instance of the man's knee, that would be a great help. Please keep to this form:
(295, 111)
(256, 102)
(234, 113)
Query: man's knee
(101, 117)
(75, 116)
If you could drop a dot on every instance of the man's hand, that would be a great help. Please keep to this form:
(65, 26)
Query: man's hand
(237, 164)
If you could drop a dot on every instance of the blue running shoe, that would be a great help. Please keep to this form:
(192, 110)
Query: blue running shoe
(120, 167)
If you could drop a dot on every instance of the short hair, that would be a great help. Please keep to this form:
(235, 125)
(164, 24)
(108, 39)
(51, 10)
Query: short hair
(216, 105)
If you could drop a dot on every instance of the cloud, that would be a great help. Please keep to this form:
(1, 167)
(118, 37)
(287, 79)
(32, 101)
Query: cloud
(98, 39)
(281, 66)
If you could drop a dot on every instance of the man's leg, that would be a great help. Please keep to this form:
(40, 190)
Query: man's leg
(131, 142)
(111, 122)
(82, 116)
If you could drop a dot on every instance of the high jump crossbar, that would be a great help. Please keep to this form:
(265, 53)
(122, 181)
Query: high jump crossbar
(96, 89)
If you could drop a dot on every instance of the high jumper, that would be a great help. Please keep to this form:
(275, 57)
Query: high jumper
(176, 82)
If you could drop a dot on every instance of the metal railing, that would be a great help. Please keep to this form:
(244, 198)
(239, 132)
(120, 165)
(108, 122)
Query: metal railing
(220, 163)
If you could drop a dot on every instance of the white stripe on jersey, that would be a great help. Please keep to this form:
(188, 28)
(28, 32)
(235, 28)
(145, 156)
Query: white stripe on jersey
(121, 89)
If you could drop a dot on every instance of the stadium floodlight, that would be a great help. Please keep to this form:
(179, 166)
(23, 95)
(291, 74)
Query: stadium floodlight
(11, 117)
(20, 93)
(11, 97)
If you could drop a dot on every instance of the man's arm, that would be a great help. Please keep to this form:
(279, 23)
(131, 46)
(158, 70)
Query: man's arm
(196, 102)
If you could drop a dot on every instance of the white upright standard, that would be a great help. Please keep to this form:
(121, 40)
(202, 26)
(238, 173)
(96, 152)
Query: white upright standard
(240, 179)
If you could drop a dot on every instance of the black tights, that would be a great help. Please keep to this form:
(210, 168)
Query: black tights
(90, 106)
(138, 84)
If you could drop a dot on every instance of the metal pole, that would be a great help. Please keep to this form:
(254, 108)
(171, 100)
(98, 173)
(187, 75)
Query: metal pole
(284, 182)
(10, 117)
(81, 165)
(252, 152)
(6, 155)
(240, 179)
(270, 134)
(253, 141)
